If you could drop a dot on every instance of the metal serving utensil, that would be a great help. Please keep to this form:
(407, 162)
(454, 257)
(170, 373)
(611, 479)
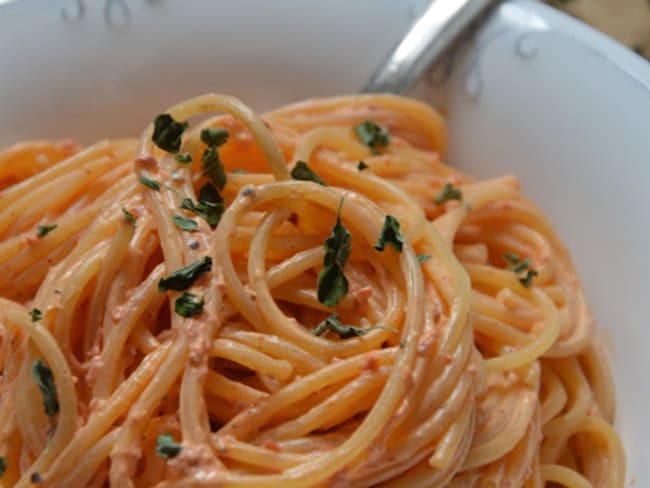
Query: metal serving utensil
(429, 37)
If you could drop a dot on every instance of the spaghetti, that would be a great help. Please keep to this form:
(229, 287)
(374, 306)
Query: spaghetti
(311, 298)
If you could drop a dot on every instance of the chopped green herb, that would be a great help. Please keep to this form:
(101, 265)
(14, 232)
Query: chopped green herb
(3, 466)
(516, 263)
(423, 258)
(187, 305)
(448, 192)
(45, 381)
(332, 283)
(209, 194)
(373, 135)
(149, 183)
(184, 223)
(333, 324)
(240, 171)
(166, 447)
(213, 168)
(362, 165)
(43, 230)
(170, 188)
(390, 234)
(183, 158)
(214, 136)
(36, 314)
(302, 171)
(519, 266)
(212, 165)
(210, 206)
(183, 278)
(130, 218)
(167, 133)
(197, 208)
(35, 478)
(528, 279)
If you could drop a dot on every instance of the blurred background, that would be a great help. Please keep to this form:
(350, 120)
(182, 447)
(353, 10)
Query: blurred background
(628, 21)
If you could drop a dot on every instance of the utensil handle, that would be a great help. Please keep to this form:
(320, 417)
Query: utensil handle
(427, 39)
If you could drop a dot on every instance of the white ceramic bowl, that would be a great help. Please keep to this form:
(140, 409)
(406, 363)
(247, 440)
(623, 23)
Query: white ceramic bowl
(534, 93)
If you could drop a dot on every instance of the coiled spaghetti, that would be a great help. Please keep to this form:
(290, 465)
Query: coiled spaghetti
(143, 345)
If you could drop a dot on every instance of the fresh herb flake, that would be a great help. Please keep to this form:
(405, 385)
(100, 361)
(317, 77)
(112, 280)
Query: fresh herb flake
(167, 133)
(149, 183)
(45, 381)
(214, 136)
(170, 188)
(332, 282)
(516, 264)
(183, 158)
(333, 324)
(527, 280)
(373, 135)
(208, 194)
(301, 171)
(213, 168)
(35, 314)
(130, 218)
(43, 230)
(187, 305)
(423, 258)
(332, 285)
(35, 478)
(184, 223)
(166, 447)
(362, 165)
(390, 234)
(521, 268)
(210, 206)
(448, 192)
(183, 278)
(511, 258)
(3, 466)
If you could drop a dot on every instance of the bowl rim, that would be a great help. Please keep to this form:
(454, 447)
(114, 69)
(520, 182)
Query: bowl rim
(609, 49)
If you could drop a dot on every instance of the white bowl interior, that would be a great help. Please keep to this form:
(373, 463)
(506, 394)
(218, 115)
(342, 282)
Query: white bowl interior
(565, 109)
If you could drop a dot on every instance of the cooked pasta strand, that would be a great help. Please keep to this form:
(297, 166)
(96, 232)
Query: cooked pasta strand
(230, 321)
